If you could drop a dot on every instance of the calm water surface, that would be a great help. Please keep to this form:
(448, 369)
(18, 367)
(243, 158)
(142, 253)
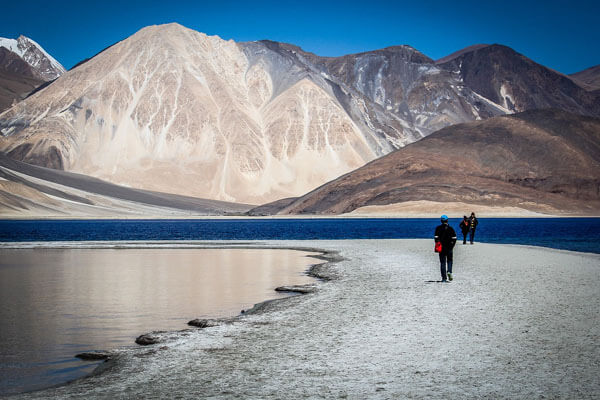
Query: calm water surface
(55, 303)
(578, 234)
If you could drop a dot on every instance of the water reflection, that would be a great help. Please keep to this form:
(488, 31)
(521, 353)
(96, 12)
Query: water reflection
(55, 303)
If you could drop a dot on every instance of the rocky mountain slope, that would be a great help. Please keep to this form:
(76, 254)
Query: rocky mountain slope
(173, 110)
(24, 66)
(17, 79)
(588, 79)
(43, 64)
(543, 160)
(510, 79)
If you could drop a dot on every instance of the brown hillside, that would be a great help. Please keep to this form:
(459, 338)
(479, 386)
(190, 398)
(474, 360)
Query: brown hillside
(537, 160)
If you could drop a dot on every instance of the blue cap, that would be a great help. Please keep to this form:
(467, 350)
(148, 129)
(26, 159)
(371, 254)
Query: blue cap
(444, 218)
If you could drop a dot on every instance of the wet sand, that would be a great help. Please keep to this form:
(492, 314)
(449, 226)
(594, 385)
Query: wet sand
(517, 322)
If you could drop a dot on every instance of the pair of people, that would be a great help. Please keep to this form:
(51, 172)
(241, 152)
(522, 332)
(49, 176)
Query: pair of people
(468, 226)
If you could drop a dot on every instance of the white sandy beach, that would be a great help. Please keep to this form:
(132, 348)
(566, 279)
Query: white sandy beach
(517, 322)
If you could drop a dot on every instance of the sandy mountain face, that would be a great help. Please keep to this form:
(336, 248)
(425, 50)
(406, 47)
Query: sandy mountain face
(543, 161)
(173, 110)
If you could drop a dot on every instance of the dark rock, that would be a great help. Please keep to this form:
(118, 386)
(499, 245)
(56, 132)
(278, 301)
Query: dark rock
(147, 339)
(302, 289)
(94, 355)
(203, 323)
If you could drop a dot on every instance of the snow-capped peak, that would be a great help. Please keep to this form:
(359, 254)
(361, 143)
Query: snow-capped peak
(35, 55)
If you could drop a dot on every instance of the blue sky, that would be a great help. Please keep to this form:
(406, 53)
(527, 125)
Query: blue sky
(561, 35)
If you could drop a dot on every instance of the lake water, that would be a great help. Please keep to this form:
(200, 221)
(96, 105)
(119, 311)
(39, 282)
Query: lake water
(578, 234)
(55, 303)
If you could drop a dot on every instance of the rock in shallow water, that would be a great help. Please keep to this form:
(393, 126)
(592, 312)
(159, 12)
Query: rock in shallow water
(94, 355)
(147, 339)
(203, 323)
(303, 289)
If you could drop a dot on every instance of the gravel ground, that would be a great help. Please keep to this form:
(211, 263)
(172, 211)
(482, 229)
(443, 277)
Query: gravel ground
(517, 322)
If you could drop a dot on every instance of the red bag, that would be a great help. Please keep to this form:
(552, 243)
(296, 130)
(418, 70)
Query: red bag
(438, 247)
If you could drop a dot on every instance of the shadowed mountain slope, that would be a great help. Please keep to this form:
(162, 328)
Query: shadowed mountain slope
(544, 160)
(17, 79)
(31, 191)
(588, 79)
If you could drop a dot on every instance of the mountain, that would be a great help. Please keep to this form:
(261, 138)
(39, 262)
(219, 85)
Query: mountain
(510, 79)
(17, 79)
(24, 66)
(45, 67)
(173, 110)
(170, 109)
(541, 160)
(589, 79)
(396, 92)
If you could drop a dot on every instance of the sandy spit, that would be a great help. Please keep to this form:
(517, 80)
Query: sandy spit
(433, 209)
(517, 322)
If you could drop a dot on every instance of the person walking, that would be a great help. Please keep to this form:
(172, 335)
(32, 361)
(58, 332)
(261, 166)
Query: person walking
(445, 235)
(464, 227)
(472, 226)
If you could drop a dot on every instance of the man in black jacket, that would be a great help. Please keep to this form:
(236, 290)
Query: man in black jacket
(445, 234)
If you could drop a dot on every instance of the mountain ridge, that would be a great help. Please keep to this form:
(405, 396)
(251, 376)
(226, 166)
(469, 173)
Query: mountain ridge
(174, 110)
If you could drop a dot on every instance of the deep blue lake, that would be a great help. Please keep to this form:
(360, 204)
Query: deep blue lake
(578, 234)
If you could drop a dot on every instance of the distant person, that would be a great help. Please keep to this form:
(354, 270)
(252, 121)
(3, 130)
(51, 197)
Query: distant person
(472, 226)
(464, 227)
(445, 235)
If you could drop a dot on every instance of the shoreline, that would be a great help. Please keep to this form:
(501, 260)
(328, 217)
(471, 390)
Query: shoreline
(318, 271)
(278, 217)
(363, 265)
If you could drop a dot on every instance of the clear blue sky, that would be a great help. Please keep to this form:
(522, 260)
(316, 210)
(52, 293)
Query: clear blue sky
(563, 35)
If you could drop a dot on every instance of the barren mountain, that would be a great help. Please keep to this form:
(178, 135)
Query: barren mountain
(510, 79)
(589, 79)
(173, 110)
(544, 160)
(24, 66)
(397, 92)
(44, 66)
(17, 79)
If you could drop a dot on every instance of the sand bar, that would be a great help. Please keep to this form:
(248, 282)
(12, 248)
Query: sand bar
(517, 322)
